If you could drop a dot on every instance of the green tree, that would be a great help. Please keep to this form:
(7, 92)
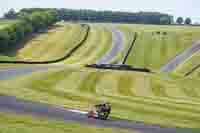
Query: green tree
(11, 14)
(37, 20)
(12, 35)
(179, 20)
(188, 21)
(19, 30)
(53, 16)
(4, 40)
(107, 16)
(28, 23)
(165, 20)
(27, 27)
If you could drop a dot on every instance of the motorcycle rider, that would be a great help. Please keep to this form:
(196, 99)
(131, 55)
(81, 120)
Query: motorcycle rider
(102, 111)
(105, 107)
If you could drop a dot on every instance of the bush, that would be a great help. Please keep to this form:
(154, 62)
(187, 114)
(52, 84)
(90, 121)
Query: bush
(28, 29)
(12, 35)
(28, 23)
(179, 20)
(19, 31)
(165, 20)
(4, 39)
(188, 21)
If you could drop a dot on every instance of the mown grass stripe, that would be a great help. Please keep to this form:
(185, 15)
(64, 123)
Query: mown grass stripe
(78, 55)
(89, 83)
(97, 44)
(158, 104)
(125, 85)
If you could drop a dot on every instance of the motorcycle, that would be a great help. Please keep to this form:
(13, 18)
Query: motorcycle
(99, 112)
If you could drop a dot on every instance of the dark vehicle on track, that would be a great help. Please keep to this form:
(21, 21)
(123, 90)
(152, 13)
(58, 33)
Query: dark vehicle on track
(100, 111)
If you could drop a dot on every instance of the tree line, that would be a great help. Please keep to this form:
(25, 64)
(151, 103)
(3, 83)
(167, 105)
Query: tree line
(180, 21)
(26, 24)
(109, 16)
(105, 16)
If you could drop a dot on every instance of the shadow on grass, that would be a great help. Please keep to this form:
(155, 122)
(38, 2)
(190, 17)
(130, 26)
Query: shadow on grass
(12, 52)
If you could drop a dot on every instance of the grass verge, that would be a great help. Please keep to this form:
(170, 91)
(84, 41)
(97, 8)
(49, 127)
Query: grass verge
(53, 44)
(134, 96)
(188, 66)
(97, 44)
(23, 124)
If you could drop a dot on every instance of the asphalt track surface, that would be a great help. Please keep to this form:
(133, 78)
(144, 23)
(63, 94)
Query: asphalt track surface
(20, 107)
(116, 49)
(12, 73)
(180, 59)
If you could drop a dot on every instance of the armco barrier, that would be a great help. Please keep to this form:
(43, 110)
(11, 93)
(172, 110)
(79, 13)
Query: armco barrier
(130, 48)
(191, 71)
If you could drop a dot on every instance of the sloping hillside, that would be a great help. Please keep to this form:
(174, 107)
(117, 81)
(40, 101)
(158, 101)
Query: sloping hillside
(53, 44)
(157, 45)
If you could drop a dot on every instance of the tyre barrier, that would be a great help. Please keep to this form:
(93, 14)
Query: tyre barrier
(118, 67)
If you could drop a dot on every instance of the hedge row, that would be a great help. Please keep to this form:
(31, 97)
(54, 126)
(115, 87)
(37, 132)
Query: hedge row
(27, 24)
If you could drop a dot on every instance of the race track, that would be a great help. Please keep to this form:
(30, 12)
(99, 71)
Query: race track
(180, 59)
(20, 107)
(116, 49)
(12, 73)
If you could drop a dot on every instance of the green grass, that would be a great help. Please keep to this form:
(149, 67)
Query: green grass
(189, 65)
(6, 23)
(54, 44)
(23, 124)
(4, 67)
(7, 58)
(154, 51)
(2, 26)
(134, 96)
(98, 43)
